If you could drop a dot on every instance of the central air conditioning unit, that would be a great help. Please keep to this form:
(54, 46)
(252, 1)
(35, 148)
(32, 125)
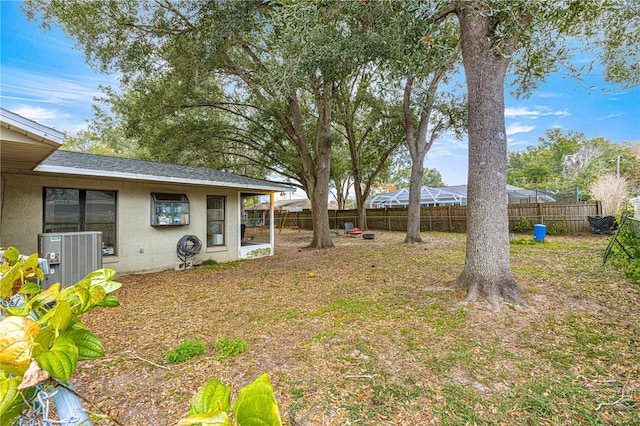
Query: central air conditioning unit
(70, 255)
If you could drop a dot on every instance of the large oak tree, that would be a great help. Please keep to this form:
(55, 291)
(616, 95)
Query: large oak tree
(283, 59)
(539, 35)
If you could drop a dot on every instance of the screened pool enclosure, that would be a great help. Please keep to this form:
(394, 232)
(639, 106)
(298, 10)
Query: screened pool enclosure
(429, 197)
(451, 196)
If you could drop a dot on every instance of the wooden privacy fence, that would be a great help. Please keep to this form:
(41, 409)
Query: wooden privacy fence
(559, 218)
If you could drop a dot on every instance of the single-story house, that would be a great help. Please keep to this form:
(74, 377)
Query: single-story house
(142, 208)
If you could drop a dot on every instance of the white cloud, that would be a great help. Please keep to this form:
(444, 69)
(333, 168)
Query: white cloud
(38, 114)
(50, 117)
(69, 90)
(62, 102)
(612, 115)
(521, 112)
(560, 113)
(539, 111)
(547, 95)
(515, 128)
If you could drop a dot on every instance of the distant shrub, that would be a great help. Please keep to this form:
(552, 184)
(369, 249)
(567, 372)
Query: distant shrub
(559, 228)
(523, 225)
(229, 347)
(186, 350)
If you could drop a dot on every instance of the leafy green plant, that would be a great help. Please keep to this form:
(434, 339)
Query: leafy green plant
(41, 335)
(523, 225)
(523, 241)
(255, 405)
(559, 228)
(630, 239)
(229, 347)
(186, 350)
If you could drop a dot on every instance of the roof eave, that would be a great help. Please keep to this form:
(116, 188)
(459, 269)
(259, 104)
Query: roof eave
(74, 171)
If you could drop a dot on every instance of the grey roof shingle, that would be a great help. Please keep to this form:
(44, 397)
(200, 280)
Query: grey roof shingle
(67, 162)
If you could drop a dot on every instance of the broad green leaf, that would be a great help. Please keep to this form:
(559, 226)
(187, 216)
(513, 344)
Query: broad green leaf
(12, 254)
(101, 275)
(11, 403)
(7, 281)
(16, 341)
(84, 295)
(61, 316)
(60, 360)
(256, 404)
(47, 296)
(30, 265)
(88, 344)
(30, 288)
(39, 274)
(109, 301)
(104, 279)
(69, 294)
(213, 396)
(219, 418)
(43, 341)
(97, 295)
(22, 311)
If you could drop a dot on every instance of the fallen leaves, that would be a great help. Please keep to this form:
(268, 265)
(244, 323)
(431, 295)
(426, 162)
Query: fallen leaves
(364, 333)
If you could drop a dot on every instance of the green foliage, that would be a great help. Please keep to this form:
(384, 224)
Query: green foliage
(430, 177)
(558, 228)
(255, 405)
(523, 225)
(186, 350)
(229, 347)
(566, 163)
(523, 241)
(630, 239)
(43, 338)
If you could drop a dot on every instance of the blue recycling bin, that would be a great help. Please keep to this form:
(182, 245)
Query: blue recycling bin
(539, 232)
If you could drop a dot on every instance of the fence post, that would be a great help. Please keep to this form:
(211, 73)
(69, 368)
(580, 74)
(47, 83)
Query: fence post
(449, 218)
(541, 212)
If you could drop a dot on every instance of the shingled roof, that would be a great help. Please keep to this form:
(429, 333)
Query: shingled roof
(81, 164)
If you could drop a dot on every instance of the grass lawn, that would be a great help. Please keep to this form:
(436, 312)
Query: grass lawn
(373, 338)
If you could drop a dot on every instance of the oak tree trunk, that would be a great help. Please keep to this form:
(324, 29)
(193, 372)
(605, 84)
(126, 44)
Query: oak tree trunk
(315, 160)
(320, 198)
(415, 193)
(321, 169)
(487, 270)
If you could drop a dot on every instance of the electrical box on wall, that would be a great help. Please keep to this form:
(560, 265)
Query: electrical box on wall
(70, 255)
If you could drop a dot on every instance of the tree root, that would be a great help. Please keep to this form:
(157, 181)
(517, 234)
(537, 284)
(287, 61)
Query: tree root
(413, 240)
(495, 292)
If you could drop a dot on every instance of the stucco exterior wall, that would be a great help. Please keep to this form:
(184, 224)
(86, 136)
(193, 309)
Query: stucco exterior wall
(140, 246)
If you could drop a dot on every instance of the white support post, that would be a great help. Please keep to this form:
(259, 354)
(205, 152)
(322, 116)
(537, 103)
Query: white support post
(272, 239)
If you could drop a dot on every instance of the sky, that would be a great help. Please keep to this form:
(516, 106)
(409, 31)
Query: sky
(43, 78)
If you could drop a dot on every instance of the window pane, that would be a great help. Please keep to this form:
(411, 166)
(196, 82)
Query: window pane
(100, 207)
(64, 227)
(62, 205)
(215, 221)
(75, 210)
(108, 237)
